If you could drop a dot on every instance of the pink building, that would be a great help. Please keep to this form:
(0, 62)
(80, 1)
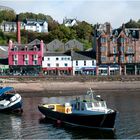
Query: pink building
(25, 59)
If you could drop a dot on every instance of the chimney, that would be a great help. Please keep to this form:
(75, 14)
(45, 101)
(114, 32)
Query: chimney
(18, 29)
(108, 28)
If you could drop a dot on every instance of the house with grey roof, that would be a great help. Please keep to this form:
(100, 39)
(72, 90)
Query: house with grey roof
(7, 26)
(36, 25)
(55, 46)
(74, 44)
(83, 63)
(69, 22)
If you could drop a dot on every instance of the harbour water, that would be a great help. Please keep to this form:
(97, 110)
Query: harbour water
(31, 124)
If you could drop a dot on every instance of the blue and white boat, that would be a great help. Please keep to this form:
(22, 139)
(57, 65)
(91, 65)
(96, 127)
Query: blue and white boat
(10, 101)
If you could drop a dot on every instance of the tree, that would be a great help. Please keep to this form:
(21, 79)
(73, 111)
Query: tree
(7, 15)
(84, 30)
(132, 24)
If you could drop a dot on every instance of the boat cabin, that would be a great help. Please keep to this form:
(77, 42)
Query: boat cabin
(88, 105)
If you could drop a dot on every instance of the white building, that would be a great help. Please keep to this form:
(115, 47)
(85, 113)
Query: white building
(57, 64)
(36, 25)
(69, 22)
(83, 63)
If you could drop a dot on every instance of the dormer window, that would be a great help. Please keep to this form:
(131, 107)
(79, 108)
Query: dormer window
(35, 48)
(26, 48)
(15, 48)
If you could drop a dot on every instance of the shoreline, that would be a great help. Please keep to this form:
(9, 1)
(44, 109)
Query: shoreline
(52, 88)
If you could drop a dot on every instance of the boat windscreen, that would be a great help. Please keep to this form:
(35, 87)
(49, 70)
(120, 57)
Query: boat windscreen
(5, 89)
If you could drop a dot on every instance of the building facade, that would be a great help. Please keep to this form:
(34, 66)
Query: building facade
(118, 51)
(83, 63)
(36, 25)
(69, 22)
(25, 59)
(57, 64)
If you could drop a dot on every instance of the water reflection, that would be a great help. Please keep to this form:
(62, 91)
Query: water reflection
(78, 133)
(29, 126)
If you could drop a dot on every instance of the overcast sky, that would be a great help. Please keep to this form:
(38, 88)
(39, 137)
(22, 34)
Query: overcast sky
(114, 11)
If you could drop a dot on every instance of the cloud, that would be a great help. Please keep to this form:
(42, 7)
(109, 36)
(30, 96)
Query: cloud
(114, 11)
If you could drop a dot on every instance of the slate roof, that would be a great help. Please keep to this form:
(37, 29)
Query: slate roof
(73, 44)
(83, 55)
(3, 52)
(57, 54)
(30, 46)
(54, 45)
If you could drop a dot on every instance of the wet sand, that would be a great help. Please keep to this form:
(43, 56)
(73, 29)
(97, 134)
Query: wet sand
(48, 89)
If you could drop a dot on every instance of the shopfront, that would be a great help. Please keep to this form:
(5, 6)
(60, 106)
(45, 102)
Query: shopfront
(89, 70)
(57, 71)
(130, 69)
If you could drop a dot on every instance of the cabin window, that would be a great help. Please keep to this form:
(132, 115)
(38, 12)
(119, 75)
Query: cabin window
(78, 106)
(82, 106)
(89, 105)
(96, 104)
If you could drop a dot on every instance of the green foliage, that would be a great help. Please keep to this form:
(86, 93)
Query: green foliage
(84, 30)
(87, 44)
(30, 15)
(7, 15)
(133, 24)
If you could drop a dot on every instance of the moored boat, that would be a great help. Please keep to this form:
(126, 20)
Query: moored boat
(10, 101)
(91, 112)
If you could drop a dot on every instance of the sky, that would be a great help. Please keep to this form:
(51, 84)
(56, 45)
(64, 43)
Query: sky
(116, 12)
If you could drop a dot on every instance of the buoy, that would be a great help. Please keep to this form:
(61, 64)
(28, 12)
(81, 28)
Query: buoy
(58, 122)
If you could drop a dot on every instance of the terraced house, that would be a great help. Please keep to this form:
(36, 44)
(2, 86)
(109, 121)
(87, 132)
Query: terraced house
(118, 50)
(25, 59)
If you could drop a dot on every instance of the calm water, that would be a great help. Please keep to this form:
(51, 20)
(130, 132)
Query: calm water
(30, 124)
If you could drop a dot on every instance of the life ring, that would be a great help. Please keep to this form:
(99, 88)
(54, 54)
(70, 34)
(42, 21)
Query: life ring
(67, 110)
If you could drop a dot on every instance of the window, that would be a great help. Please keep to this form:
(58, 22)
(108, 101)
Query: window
(15, 57)
(15, 48)
(26, 48)
(57, 58)
(103, 48)
(122, 40)
(103, 40)
(93, 63)
(35, 56)
(26, 62)
(65, 64)
(48, 65)
(103, 58)
(84, 63)
(76, 63)
(122, 58)
(35, 48)
(15, 62)
(122, 49)
(26, 56)
(130, 59)
(114, 59)
(114, 50)
(113, 40)
(35, 62)
(57, 65)
(48, 58)
(130, 49)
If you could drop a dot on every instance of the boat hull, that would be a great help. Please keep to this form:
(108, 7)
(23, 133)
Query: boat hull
(101, 121)
(17, 108)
